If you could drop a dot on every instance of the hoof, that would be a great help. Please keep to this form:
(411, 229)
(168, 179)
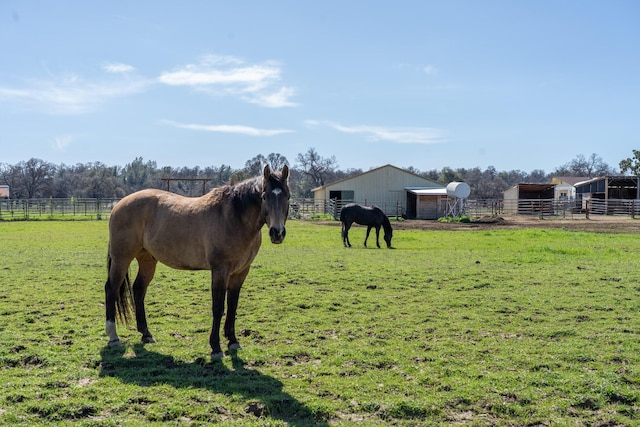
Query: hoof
(217, 356)
(235, 346)
(115, 343)
(148, 340)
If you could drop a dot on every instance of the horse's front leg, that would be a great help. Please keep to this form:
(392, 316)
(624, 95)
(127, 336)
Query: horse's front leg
(146, 270)
(367, 236)
(378, 237)
(218, 293)
(233, 295)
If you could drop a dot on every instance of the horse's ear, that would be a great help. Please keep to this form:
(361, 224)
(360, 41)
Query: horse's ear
(285, 172)
(266, 173)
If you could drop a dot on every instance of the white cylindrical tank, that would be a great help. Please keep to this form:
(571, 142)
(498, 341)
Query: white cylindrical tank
(459, 190)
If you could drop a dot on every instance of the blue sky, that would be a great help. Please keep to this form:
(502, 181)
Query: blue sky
(510, 84)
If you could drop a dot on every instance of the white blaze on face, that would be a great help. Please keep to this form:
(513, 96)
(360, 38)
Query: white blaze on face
(276, 192)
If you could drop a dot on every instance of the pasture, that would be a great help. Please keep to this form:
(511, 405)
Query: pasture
(500, 327)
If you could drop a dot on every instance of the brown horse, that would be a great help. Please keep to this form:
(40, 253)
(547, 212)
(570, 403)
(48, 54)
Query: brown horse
(220, 231)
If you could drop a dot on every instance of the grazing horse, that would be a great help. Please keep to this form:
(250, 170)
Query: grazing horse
(220, 232)
(371, 216)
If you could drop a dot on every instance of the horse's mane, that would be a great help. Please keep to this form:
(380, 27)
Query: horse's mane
(241, 195)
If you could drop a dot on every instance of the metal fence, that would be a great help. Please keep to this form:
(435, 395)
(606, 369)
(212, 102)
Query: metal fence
(37, 209)
(76, 209)
(553, 207)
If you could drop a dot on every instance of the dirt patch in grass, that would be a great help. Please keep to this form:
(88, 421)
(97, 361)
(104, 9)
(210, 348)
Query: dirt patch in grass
(595, 223)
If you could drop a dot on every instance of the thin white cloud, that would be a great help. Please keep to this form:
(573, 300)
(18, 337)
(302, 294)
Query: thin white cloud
(230, 76)
(117, 68)
(276, 99)
(252, 78)
(60, 143)
(69, 94)
(237, 129)
(409, 135)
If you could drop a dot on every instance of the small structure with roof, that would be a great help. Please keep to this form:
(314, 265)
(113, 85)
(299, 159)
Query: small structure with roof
(565, 189)
(397, 191)
(609, 194)
(532, 199)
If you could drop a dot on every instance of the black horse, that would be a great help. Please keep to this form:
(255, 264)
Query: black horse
(371, 216)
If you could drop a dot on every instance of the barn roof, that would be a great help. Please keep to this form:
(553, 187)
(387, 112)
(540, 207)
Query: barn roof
(428, 191)
(374, 170)
(570, 180)
(615, 179)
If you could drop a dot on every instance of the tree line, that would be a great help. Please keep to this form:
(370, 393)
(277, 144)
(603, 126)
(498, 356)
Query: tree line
(36, 178)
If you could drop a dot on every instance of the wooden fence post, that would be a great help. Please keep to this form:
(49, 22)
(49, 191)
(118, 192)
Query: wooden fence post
(587, 208)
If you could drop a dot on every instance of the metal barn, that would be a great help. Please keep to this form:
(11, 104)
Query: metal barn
(609, 194)
(388, 187)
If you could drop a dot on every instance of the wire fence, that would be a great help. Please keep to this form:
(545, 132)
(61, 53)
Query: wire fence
(56, 209)
(308, 208)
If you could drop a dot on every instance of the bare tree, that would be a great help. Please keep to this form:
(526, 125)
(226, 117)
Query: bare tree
(582, 166)
(315, 167)
(277, 161)
(30, 179)
(254, 166)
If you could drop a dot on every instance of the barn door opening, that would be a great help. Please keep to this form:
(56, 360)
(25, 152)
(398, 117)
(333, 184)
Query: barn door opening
(341, 198)
(412, 201)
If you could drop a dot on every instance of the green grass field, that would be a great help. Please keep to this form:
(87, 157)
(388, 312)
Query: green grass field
(481, 328)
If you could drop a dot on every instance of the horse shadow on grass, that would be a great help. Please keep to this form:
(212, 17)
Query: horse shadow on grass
(263, 393)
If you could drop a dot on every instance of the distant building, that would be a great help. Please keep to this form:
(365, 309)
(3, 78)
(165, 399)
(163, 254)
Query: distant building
(565, 189)
(609, 194)
(530, 199)
(395, 190)
(4, 191)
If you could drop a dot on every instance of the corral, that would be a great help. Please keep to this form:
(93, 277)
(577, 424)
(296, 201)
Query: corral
(495, 323)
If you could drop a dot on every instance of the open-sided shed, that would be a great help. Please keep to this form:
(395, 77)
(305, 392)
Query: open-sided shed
(530, 198)
(609, 194)
(426, 203)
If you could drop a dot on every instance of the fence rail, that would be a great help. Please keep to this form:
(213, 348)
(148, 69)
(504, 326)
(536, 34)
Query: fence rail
(35, 209)
(41, 209)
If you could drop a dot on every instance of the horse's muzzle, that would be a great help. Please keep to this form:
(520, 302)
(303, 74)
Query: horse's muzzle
(277, 234)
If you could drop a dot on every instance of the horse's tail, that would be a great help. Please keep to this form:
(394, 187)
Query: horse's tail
(124, 303)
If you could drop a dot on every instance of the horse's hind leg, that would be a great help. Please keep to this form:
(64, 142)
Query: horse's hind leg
(345, 234)
(146, 270)
(117, 272)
